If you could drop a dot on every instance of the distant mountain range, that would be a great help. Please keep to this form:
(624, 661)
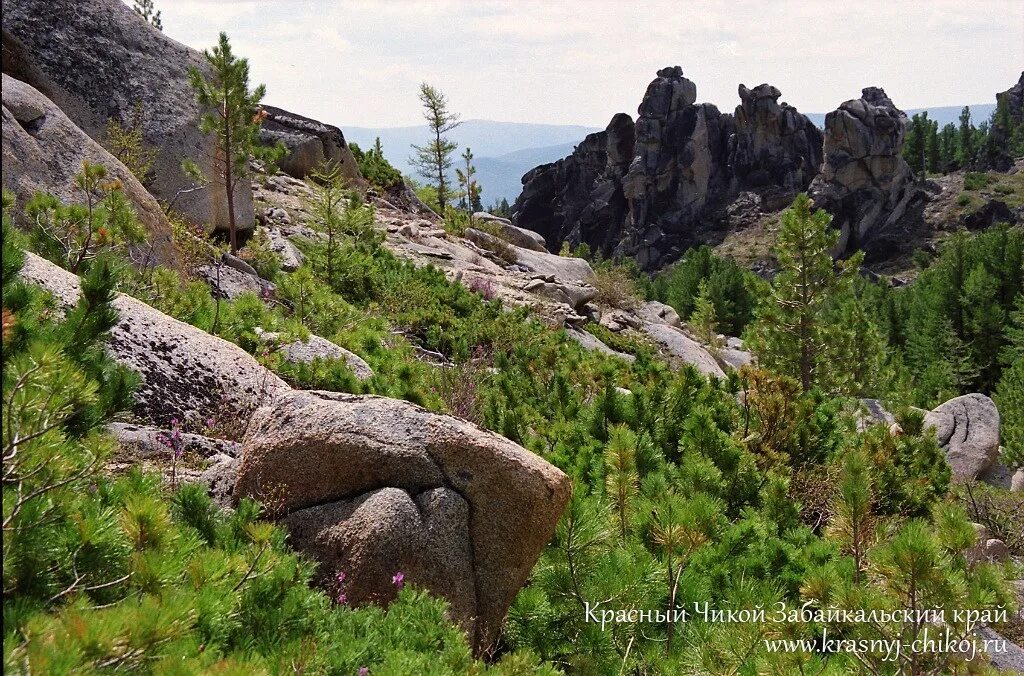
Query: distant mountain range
(504, 151)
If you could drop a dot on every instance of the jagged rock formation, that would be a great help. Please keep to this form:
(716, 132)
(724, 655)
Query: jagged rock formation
(97, 60)
(1015, 99)
(311, 144)
(865, 183)
(43, 151)
(646, 188)
(185, 372)
(774, 145)
(372, 486)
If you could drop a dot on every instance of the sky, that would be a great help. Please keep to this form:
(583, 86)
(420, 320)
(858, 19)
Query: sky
(360, 62)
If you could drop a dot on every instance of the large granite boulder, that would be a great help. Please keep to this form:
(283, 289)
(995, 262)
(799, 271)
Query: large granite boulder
(43, 151)
(865, 183)
(967, 429)
(311, 144)
(527, 239)
(97, 60)
(185, 372)
(650, 188)
(374, 486)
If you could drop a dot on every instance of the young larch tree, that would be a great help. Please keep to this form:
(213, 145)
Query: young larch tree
(433, 160)
(233, 115)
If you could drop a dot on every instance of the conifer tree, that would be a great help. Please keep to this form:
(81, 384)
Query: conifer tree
(148, 11)
(621, 479)
(704, 320)
(965, 134)
(470, 188)
(233, 115)
(852, 524)
(434, 159)
(792, 334)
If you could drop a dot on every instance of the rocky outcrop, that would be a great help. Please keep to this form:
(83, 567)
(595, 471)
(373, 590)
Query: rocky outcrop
(43, 151)
(97, 60)
(185, 372)
(774, 145)
(526, 239)
(865, 183)
(311, 145)
(374, 486)
(967, 429)
(1015, 100)
(648, 188)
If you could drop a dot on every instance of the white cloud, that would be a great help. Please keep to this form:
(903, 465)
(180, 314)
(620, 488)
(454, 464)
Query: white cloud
(358, 62)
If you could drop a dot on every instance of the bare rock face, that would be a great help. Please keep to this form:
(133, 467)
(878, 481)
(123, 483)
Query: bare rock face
(774, 145)
(43, 151)
(865, 183)
(186, 373)
(967, 429)
(311, 144)
(648, 188)
(97, 60)
(374, 486)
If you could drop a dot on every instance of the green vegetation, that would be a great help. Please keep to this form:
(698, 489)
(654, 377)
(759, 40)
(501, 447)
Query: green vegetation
(964, 146)
(375, 168)
(739, 493)
(731, 289)
(434, 159)
(235, 122)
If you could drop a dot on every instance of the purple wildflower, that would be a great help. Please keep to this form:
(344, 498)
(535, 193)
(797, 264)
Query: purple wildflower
(341, 598)
(364, 671)
(398, 579)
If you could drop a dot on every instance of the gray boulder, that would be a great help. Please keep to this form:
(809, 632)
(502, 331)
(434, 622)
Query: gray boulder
(230, 280)
(521, 237)
(291, 257)
(591, 342)
(683, 348)
(144, 441)
(97, 60)
(185, 372)
(315, 347)
(659, 313)
(967, 429)
(43, 151)
(372, 486)
(311, 144)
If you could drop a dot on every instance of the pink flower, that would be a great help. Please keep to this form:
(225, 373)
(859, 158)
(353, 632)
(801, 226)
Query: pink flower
(398, 579)
(341, 598)
(340, 577)
(363, 671)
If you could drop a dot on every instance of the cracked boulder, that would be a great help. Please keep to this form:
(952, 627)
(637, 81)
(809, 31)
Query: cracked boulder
(683, 348)
(967, 429)
(373, 486)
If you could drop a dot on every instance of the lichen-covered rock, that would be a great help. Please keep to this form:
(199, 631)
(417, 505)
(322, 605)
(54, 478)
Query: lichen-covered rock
(185, 372)
(865, 183)
(43, 151)
(311, 145)
(967, 429)
(342, 468)
(97, 60)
